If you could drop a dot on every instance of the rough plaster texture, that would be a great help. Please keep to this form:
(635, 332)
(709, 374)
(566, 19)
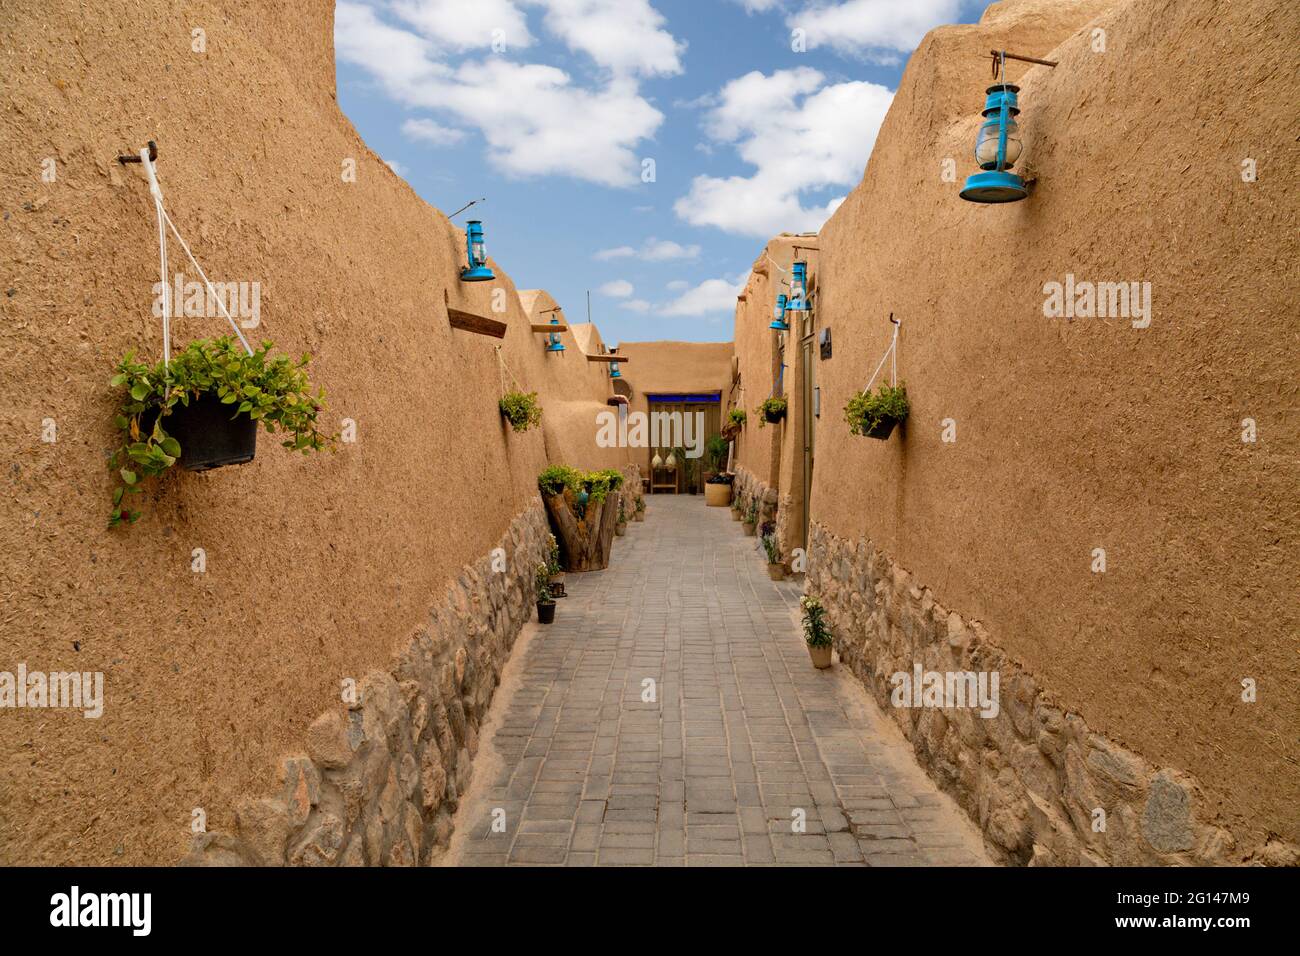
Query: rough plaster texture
(1085, 434)
(315, 566)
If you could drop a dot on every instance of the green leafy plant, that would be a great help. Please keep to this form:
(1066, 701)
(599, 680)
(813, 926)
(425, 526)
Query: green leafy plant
(736, 417)
(772, 548)
(271, 389)
(772, 410)
(542, 582)
(816, 629)
(553, 566)
(751, 511)
(716, 451)
(521, 410)
(622, 512)
(640, 506)
(556, 479)
(867, 411)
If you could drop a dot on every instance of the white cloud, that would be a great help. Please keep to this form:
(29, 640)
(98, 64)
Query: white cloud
(677, 285)
(800, 135)
(635, 305)
(711, 295)
(617, 289)
(874, 29)
(535, 121)
(465, 25)
(758, 6)
(428, 131)
(625, 36)
(652, 250)
(395, 166)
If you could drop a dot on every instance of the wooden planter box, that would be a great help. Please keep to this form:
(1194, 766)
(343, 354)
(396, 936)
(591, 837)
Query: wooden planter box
(584, 542)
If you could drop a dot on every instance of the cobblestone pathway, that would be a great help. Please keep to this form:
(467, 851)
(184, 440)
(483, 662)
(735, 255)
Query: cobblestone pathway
(742, 739)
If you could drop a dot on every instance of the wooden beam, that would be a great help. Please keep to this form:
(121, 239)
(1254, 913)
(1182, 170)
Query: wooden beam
(547, 327)
(607, 358)
(478, 324)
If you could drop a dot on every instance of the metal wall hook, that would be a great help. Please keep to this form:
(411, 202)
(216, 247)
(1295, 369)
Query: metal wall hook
(153, 155)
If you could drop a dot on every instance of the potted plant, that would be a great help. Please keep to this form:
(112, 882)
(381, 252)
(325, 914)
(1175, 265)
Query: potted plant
(520, 410)
(639, 513)
(553, 564)
(735, 422)
(717, 491)
(715, 452)
(772, 410)
(620, 528)
(545, 602)
(737, 507)
(202, 409)
(775, 569)
(875, 415)
(816, 631)
(580, 512)
(751, 517)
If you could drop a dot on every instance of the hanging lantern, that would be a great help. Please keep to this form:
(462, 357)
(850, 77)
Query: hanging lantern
(798, 301)
(778, 315)
(476, 252)
(671, 463)
(613, 370)
(553, 343)
(656, 461)
(997, 148)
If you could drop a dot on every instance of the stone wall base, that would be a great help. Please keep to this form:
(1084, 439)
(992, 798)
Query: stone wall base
(1044, 789)
(382, 774)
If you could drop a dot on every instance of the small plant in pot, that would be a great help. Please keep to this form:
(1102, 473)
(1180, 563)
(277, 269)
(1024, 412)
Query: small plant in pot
(775, 569)
(737, 507)
(876, 414)
(751, 518)
(521, 410)
(639, 514)
(772, 410)
(717, 491)
(545, 601)
(816, 631)
(556, 569)
(202, 409)
(735, 422)
(620, 528)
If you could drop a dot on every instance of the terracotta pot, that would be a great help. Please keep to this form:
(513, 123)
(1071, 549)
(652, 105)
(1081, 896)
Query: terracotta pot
(735, 515)
(639, 516)
(776, 572)
(821, 655)
(546, 612)
(750, 529)
(717, 495)
(620, 529)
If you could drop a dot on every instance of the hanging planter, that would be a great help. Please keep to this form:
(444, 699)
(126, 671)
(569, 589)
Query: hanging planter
(202, 407)
(520, 410)
(876, 414)
(772, 410)
(735, 422)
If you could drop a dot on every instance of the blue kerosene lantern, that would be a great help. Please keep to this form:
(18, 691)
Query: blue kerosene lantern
(997, 149)
(613, 370)
(778, 315)
(798, 301)
(553, 343)
(476, 252)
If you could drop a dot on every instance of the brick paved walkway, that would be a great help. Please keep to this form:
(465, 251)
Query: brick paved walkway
(743, 738)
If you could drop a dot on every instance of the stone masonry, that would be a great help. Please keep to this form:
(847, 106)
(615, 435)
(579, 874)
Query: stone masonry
(1034, 777)
(382, 776)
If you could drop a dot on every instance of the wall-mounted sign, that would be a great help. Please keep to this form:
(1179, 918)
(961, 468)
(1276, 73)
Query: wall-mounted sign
(824, 340)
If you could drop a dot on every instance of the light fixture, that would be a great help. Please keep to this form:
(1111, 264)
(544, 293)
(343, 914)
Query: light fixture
(553, 343)
(778, 315)
(798, 301)
(476, 252)
(671, 463)
(613, 370)
(656, 461)
(998, 146)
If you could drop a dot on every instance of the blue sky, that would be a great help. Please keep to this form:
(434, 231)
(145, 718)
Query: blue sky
(551, 108)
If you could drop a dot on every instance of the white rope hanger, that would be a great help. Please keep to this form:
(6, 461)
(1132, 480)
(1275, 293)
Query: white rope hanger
(504, 369)
(156, 191)
(891, 351)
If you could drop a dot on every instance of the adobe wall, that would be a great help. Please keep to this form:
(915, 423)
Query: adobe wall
(1122, 690)
(317, 568)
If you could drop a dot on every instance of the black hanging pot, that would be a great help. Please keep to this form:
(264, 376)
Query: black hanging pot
(774, 417)
(209, 437)
(546, 612)
(882, 429)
